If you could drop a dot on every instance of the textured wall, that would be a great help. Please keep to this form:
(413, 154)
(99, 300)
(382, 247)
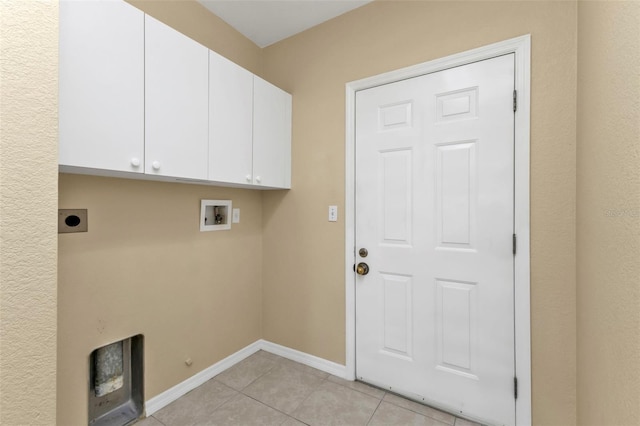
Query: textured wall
(28, 217)
(303, 279)
(144, 266)
(608, 213)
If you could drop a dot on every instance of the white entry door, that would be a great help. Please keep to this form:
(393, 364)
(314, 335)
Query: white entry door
(434, 212)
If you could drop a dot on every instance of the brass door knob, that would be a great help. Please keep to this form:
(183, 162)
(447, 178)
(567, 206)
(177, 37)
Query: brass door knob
(362, 268)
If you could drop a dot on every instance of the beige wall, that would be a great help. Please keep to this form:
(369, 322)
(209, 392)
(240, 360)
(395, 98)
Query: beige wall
(28, 199)
(608, 213)
(144, 266)
(303, 276)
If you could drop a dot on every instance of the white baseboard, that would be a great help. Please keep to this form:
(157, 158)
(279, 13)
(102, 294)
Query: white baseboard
(304, 358)
(167, 397)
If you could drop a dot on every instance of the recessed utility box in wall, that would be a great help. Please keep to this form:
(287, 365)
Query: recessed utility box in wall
(215, 215)
(116, 395)
(72, 220)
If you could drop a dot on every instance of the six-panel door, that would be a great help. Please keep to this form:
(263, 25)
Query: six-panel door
(434, 209)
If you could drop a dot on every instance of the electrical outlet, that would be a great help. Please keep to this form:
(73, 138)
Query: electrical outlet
(236, 216)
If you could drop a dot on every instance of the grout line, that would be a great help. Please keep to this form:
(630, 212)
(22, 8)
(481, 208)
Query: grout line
(276, 363)
(269, 406)
(237, 392)
(227, 401)
(358, 390)
(157, 420)
(274, 408)
(315, 389)
(251, 382)
(265, 404)
(374, 412)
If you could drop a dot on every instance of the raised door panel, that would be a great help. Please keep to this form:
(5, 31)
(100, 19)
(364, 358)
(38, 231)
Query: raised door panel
(176, 103)
(230, 121)
(101, 96)
(271, 135)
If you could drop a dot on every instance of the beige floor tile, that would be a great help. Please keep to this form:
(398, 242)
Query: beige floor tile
(420, 408)
(269, 355)
(283, 388)
(242, 410)
(389, 414)
(359, 386)
(333, 404)
(196, 406)
(275, 385)
(149, 421)
(292, 364)
(293, 422)
(246, 371)
(464, 422)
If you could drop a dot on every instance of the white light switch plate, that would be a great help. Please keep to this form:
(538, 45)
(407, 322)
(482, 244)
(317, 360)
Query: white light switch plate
(235, 218)
(333, 213)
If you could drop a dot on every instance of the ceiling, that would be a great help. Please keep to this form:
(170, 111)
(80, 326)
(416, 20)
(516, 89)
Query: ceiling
(268, 21)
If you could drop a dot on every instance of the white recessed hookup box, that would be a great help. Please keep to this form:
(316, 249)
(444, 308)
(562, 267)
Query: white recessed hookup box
(215, 215)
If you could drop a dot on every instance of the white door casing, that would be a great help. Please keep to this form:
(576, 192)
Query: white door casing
(451, 292)
(434, 203)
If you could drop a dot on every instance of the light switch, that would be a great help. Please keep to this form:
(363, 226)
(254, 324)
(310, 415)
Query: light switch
(236, 216)
(333, 213)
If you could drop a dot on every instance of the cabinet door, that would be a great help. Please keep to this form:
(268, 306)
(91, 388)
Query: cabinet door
(230, 121)
(101, 96)
(271, 135)
(176, 103)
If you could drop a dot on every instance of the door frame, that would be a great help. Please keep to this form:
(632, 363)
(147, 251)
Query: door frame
(521, 47)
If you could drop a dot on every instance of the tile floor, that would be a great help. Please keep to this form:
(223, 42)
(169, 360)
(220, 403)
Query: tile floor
(266, 389)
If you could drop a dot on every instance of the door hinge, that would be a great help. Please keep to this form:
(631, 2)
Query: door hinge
(515, 387)
(515, 243)
(515, 100)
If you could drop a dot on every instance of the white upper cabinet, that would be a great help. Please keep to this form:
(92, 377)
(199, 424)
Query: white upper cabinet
(101, 97)
(137, 96)
(176, 103)
(230, 121)
(249, 127)
(271, 135)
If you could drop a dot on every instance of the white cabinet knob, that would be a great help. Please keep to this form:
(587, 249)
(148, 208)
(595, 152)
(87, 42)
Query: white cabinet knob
(155, 165)
(135, 161)
(248, 178)
(258, 179)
